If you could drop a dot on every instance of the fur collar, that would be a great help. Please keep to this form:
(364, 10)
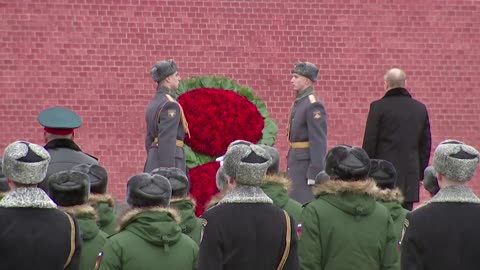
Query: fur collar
(62, 143)
(246, 194)
(129, 215)
(80, 210)
(99, 197)
(28, 197)
(460, 193)
(367, 186)
(389, 195)
(188, 198)
(278, 179)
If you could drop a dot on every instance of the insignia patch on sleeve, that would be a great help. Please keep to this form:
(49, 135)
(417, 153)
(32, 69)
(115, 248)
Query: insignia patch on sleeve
(317, 115)
(172, 113)
(299, 230)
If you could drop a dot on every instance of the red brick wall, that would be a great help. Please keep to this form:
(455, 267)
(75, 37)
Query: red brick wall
(95, 57)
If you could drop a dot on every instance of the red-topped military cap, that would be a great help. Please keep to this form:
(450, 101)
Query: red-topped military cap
(59, 120)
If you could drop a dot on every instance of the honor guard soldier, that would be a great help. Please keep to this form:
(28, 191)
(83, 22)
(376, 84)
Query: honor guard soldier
(59, 125)
(307, 133)
(165, 121)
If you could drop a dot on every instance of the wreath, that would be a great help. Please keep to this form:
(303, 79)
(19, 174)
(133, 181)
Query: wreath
(218, 111)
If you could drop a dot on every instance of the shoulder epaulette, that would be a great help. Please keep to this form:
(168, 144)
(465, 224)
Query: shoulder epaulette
(170, 98)
(312, 98)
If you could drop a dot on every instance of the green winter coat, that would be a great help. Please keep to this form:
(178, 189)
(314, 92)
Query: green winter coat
(149, 239)
(392, 199)
(93, 238)
(344, 228)
(104, 206)
(277, 187)
(190, 224)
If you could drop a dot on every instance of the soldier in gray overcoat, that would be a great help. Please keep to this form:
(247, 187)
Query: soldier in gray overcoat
(166, 124)
(307, 133)
(59, 125)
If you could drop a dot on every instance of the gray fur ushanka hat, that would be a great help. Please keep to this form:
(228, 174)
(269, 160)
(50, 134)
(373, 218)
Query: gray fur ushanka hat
(221, 178)
(273, 152)
(25, 162)
(147, 190)
(247, 164)
(97, 175)
(163, 69)
(306, 69)
(455, 160)
(177, 178)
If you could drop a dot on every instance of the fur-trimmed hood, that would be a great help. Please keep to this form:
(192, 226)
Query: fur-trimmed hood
(186, 208)
(98, 197)
(86, 218)
(277, 187)
(156, 225)
(367, 186)
(355, 198)
(389, 195)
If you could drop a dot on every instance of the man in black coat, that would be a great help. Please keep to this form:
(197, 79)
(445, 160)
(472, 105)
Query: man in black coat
(443, 234)
(59, 125)
(34, 234)
(165, 121)
(398, 130)
(245, 230)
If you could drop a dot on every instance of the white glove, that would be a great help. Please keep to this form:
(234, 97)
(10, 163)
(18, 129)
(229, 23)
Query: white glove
(310, 182)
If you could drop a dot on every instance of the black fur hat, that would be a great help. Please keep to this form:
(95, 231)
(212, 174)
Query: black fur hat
(347, 163)
(383, 172)
(69, 188)
(97, 176)
(273, 152)
(147, 190)
(178, 180)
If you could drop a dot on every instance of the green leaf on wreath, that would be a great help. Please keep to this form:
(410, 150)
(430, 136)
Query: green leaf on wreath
(193, 159)
(269, 132)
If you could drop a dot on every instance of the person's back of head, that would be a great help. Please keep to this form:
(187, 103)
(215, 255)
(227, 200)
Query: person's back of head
(347, 163)
(455, 161)
(394, 78)
(145, 190)
(69, 188)
(221, 179)
(383, 172)
(178, 180)
(97, 177)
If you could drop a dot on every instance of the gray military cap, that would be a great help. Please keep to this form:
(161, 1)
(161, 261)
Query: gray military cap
(163, 69)
(306, 69)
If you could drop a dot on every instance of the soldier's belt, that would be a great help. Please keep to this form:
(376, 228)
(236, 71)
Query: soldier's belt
(299, 145)
(178, 143)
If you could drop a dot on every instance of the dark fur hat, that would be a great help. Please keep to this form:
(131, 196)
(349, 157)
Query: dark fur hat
(306, 69)
(430, 181)
(177, 178)
(97, 176)
(321, 177)
(345, 162)
(147, 190)
(273, 152)
(383, 172)
(163, 69)
(69, 188)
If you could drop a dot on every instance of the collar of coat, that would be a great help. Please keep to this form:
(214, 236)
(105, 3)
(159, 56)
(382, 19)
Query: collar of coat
(99, 197)
(305, 92)
(215, 199)
(395, 92)
(367, 186)
(131, 214)
(389, 195)
(278, 180)
(246, 194)
(62, 143)
(27, 197)
(458, 193)
(165, 90)
(83, 210)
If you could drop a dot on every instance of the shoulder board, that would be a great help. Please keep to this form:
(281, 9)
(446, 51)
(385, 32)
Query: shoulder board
(170, 98)
(312, 98)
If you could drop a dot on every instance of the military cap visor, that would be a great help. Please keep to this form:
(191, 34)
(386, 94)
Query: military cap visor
(59, 118)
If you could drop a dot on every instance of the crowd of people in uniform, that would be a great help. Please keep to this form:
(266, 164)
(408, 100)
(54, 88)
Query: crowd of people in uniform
(338, 209)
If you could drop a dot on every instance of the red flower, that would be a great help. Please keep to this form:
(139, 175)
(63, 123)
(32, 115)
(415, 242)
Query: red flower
(216, 117)
(203, 184)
